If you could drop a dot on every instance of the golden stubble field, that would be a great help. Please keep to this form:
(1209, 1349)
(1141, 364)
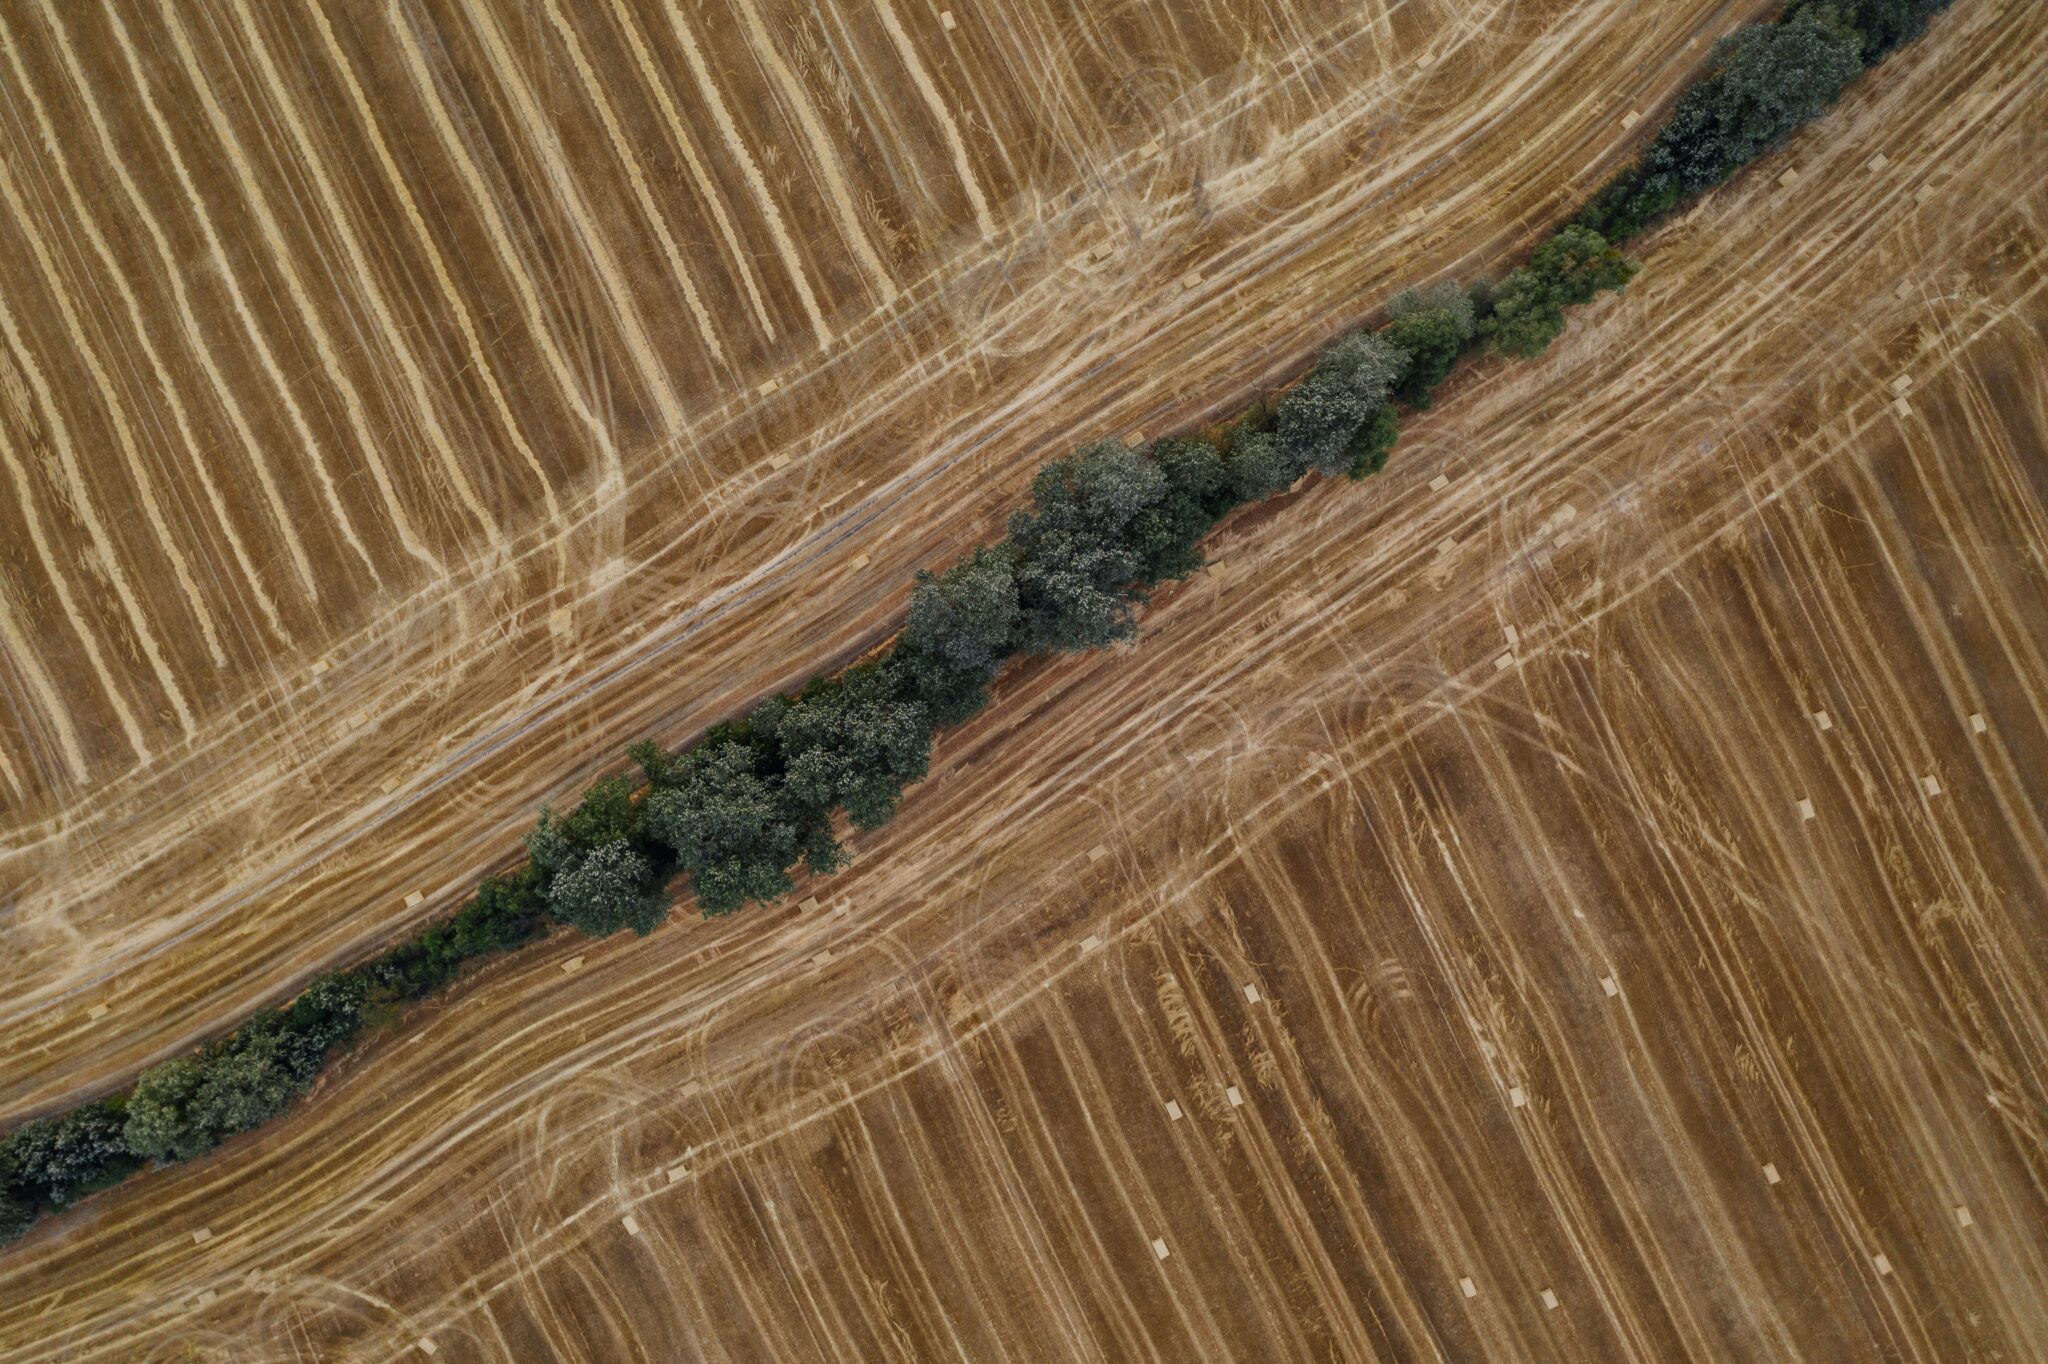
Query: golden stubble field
(1578, 896)
(405, 405)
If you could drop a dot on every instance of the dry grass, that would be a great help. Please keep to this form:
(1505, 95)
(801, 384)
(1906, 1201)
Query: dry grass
(1705, 520)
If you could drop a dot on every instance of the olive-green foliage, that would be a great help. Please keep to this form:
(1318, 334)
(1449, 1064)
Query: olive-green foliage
(506, 911)
(1432, 327)
(1577, 263)
(1526, 314)
(959, 631)
(1197, 491)
(1882, 24)
(1374, 442)
(606, 814)
(1573, 265)
(327, 1014)
(1076, 564)
(1319, 416)
(727, 825)
(854, 742)
(966, 615)
(53, 1162)
(607, 888)
(1763, 81)
(185, 1106)
(1256, 466)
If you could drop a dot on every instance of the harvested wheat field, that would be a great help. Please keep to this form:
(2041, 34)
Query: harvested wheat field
(1581, 895)
(407, 405)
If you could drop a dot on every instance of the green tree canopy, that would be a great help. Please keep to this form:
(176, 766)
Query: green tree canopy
(728, 826)
(1076, 556)
(1319, 416)
(605, 889)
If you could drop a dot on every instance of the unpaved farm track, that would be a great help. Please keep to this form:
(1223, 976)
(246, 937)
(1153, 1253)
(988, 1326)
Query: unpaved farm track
(494, 506)
(1556, 995)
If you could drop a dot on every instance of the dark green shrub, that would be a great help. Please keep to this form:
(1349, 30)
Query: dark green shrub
(1431, 327)
(1570, 267)
(1763, 81)
(728, 827)
(1577, 263)
(53, 1162)
(1076, 558)
(1319, 416)
(184, 1107)
(16, 1217)
(506, 912)
(1374, 442)
(1526, 314)
(1881, 24)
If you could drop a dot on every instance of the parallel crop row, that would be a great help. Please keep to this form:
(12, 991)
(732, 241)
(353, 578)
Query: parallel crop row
(733, 817)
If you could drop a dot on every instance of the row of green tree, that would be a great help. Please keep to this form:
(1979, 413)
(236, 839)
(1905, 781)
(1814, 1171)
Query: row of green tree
(733, 818)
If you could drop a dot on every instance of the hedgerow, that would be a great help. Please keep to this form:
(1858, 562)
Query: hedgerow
(734, 817)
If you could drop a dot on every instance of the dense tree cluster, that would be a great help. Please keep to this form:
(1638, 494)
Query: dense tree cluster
(1762, 82)
(739, 812)
(1527, 308)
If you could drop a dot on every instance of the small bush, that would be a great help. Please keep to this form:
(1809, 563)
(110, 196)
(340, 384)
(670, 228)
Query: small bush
(1432, 327)
(1373, 443)
(53, 1162)
(728, 826)
(1319, 416)
(1077, 561)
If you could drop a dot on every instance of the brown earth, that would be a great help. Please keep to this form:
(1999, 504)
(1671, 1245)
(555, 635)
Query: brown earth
(385, 405)
(1556, 995)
